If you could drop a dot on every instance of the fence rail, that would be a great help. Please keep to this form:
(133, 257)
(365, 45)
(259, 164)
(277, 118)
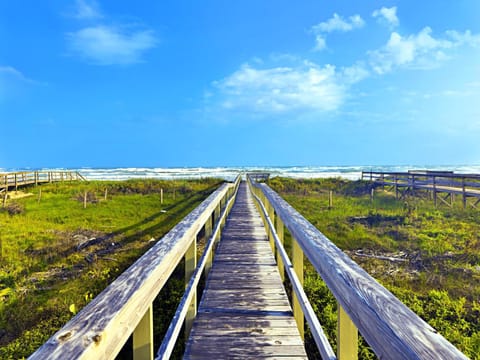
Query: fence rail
(124, 308)
(17, 179)
(391, 329)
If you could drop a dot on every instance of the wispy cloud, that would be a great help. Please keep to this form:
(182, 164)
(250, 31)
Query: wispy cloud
(13, 81)
(421, 51)
(465, 38)
(387, 16)
(338, 23)
(103, 44)
(87, 9)
(108, 45)
(12, 73)
(335, 23)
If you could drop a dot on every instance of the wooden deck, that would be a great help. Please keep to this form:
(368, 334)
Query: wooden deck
(244, 311)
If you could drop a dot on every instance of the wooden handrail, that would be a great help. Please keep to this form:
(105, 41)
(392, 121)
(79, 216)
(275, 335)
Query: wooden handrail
(103, 326)
(316, 328)
(173, 330)
(391, 329)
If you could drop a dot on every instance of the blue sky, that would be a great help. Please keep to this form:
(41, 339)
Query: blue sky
(218, 83)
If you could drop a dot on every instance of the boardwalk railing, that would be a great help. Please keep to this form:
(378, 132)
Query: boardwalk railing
(391, 329)
(100, 330)
(446, 182)
(16, 179)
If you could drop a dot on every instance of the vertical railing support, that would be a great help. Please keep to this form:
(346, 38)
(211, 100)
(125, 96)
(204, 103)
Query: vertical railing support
(280, 230)
(190, 265)
(297, 262)
(347, 337)
(143, 337)
(271, 215)
(209, 256)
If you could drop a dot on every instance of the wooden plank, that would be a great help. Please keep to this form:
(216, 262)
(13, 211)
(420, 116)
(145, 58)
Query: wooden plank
(244, 311)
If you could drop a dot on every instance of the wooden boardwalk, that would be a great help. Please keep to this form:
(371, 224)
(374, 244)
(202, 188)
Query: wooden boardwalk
(244, 311)
(14, 180)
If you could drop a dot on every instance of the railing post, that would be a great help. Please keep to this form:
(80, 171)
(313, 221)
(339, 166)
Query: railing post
(347, 337)
(297, 262)
(208, 233)
(464, 194)
(16, 183)
(280, 230)
(143, 337)
(271, 215)
(190, 265)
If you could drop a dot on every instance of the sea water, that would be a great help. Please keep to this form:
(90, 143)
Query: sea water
(229, 173)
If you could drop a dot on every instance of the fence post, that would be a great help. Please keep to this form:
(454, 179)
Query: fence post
(330, 199)
(190, 265)
(143, 337)
(161, 196)
(347, 337)
(280, 229)
(297, 262)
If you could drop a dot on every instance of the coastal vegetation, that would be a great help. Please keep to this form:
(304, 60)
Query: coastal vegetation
(428, 257)
(63, 244)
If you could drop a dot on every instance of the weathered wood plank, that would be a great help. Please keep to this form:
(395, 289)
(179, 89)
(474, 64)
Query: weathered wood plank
(244, 311)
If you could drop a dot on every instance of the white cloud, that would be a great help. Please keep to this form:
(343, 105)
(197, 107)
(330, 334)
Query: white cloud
(387, 16)
(420, 50)
(108, 45)
(320, 42)
(465, 38)
(87, 10)
(336, 23)
(303, 88)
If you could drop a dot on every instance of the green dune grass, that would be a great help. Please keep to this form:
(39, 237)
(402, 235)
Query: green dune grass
(57, 255)
(439, 278)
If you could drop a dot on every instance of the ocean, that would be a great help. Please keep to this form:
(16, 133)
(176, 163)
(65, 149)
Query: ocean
(229, 173)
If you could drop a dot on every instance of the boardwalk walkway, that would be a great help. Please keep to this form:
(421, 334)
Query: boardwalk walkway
(244, 311)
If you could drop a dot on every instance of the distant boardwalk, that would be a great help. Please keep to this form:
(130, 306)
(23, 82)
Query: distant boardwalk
(244, 311)
(14, 180)
(447, 183)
